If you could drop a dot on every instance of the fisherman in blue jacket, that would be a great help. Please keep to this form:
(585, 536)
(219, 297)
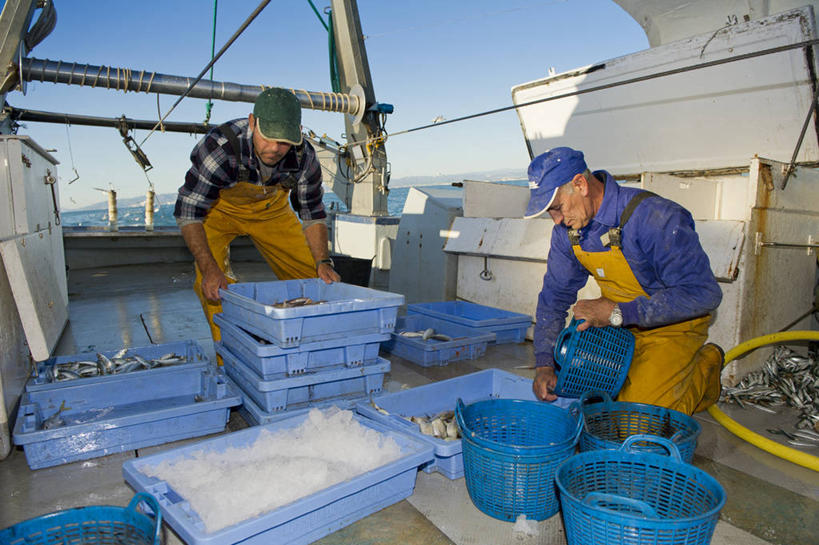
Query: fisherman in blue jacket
(654, 277)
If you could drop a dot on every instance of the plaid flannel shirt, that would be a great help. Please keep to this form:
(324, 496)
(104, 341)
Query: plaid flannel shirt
(214, 167)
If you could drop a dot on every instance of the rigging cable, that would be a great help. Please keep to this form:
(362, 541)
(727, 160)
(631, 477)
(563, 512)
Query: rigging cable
(335, 81)
(225, 47)
(209, 105)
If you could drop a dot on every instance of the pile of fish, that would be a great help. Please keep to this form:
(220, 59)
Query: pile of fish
(441, 425)
(297, 302)
(785, 379)
(118, 364)
(428, 334)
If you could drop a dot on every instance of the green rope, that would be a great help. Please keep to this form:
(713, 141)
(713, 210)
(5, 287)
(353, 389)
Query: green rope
(335, 82)
(209, 105)
(312, 5)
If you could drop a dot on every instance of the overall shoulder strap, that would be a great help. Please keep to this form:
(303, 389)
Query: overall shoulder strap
(614, 237)
(233, 140)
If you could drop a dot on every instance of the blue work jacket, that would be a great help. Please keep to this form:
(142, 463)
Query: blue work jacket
(663, 251)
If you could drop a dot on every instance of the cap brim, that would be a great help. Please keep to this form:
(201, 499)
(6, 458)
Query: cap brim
(538, 204)
(279, 136)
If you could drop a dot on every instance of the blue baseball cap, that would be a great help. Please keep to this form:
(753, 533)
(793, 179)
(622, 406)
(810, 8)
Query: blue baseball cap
(547, 172)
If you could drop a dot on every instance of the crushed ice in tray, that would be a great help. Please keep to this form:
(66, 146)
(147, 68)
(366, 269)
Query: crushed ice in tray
(278, 468)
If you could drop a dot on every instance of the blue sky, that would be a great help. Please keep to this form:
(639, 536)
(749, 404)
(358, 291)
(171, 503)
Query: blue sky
(428, 58)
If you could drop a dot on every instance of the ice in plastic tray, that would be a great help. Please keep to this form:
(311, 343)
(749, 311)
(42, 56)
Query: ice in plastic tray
(508, 327)
(298, 523)
(195, 356)
(432, 399)
(90, 419)
(295, 392)
(345, 310)
(271, 361)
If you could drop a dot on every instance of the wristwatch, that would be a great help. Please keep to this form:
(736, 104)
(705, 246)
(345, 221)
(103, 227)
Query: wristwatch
(328, 261)
(616, 318)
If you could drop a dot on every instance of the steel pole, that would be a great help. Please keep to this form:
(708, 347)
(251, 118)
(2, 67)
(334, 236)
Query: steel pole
(142, 81)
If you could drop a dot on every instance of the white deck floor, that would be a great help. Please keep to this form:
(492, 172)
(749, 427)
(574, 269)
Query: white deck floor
(769, 500)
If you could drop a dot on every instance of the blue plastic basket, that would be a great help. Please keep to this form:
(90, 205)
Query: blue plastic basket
(95, 524)
(596, 359)
(512, 449)
(609, 423)
(626, 496)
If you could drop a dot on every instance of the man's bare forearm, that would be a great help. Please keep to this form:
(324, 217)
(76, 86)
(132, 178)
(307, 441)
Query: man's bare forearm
(194, 235)
(316, 235)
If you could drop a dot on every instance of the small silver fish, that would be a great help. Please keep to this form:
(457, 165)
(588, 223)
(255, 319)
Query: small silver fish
(55, 420)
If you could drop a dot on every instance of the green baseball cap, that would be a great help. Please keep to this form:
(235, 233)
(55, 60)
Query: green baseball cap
(278, 114)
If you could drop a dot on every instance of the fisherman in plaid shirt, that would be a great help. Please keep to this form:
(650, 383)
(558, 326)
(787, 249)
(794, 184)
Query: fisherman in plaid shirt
(241, 176)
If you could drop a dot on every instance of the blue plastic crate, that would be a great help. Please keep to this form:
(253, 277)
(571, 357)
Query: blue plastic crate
(508, 327)
(596, 359)
(102, 418)
(298, 523)
(347, 310)
(306, 389)
(467, 343)
(256, 416)
(435, 398)
(196, 361)
(270, 361)
(611, 497)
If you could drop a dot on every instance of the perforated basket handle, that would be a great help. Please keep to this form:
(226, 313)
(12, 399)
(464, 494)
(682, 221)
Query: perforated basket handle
(596, 499)
(459, 416)
(672, 449)
(563, 337)
(593, 394)
(154, 505)
(576, 410)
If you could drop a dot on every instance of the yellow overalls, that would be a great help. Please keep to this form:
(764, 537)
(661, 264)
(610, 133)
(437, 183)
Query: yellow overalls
(263, 214)
(669, 368)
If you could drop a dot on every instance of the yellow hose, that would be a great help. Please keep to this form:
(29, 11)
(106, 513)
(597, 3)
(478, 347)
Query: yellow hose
(777, 449)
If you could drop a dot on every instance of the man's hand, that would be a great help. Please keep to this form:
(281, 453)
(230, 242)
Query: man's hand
(327, 273)
(212, 281)
(544, 383)
(595, 312)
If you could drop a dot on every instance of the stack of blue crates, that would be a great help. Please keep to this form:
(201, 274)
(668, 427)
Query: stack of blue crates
(62, 421)
(287, 358)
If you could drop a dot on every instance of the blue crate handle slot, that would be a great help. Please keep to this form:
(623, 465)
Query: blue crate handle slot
(599, 500)
(154, 506)
(586, 396)
(563, 338)
(672, 449)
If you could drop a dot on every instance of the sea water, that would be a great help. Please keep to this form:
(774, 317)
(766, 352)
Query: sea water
(163, 216)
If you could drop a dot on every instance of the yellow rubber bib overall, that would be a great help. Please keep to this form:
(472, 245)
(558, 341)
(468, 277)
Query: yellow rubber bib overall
(263, 214)
(668, 368)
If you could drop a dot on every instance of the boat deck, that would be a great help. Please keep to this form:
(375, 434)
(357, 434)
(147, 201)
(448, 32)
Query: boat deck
(769, 500)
